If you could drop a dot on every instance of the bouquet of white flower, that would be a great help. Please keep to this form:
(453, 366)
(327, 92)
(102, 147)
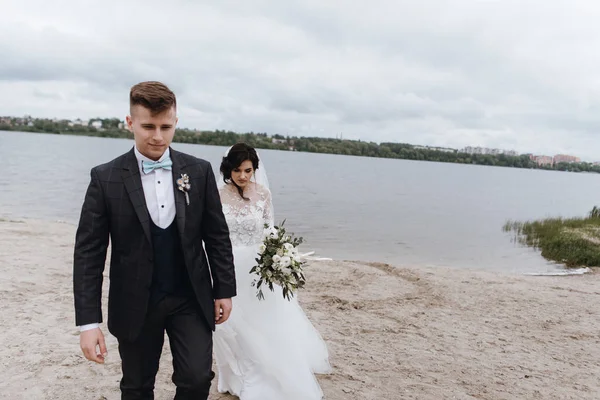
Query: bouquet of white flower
(279, 262)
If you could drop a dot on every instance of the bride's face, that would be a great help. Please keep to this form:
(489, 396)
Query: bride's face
(242, 174)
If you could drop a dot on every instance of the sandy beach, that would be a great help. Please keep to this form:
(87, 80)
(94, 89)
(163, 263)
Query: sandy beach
(393, 332)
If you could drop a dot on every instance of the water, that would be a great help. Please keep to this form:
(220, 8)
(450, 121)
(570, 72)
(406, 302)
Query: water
(351, 208)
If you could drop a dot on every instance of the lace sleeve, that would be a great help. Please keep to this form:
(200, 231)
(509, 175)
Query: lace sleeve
(268, 214)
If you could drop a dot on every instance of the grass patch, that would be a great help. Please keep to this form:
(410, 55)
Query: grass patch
(10, 220)
(574, 242)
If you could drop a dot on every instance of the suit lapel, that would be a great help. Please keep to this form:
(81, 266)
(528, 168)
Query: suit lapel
(133, 185)
(178, 168)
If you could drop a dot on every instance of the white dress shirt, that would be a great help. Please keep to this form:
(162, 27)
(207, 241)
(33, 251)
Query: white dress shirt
(158, 191)
(160, 199)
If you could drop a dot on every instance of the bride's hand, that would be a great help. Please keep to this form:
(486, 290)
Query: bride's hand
(222, 310)
(88, 340)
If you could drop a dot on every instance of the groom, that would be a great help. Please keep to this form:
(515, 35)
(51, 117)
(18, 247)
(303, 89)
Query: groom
(169, 239)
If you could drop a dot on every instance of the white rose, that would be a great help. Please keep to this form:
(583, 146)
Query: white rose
(286, 261)
(273, 233)
(276, 259)
(296, 258)
(270, 233)
(288, 247)
(280, 253)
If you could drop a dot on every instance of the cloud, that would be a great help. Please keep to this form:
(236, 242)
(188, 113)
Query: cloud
(503, 74)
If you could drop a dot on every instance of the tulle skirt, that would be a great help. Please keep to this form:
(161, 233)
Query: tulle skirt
(267, 349)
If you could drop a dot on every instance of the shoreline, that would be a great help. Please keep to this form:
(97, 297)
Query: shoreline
(392, 332)
(428, 153)
(560, 269)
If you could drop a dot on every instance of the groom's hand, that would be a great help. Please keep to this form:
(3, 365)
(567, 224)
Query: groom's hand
(88, 340)
(222, 310)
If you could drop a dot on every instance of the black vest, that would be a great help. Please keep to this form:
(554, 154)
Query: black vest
(169, 276)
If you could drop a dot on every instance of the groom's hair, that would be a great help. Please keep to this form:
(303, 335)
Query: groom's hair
(155, 96)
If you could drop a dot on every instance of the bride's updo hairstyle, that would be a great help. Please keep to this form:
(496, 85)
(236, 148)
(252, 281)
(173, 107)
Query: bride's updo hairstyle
(238, 153)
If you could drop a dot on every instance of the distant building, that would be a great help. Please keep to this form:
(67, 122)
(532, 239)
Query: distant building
(278, 141)
(543, 160)
(444, 149)
(563, 158)
(97, 124)
(78, 122)
(472, 150)
(488, 151)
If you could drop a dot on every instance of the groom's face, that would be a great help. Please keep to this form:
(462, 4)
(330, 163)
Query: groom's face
(153, 134)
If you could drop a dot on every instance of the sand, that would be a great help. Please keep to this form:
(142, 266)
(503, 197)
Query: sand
(393, 332)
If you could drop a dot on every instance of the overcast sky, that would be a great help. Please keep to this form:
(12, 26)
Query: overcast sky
(512, 74)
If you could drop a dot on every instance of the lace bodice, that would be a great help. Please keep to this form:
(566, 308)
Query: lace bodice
(246, 218)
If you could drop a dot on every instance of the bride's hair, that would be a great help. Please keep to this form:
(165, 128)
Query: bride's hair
(238, 153)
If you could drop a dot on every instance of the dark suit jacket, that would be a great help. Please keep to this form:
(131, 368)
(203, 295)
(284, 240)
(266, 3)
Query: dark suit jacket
(115, 207)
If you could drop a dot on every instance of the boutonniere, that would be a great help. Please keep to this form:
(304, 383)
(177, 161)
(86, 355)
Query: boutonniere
(183, 184)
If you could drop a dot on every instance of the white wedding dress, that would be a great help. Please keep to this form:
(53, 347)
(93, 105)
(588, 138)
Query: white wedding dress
(267, 349)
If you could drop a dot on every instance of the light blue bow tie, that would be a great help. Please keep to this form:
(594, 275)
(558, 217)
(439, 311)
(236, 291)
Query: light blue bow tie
(149, 166)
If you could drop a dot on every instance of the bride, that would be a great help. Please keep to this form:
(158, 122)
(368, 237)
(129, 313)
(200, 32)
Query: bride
(268, 349)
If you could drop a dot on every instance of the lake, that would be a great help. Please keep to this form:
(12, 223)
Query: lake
(351, 208)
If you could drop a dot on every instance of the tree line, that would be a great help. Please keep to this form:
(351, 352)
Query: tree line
(110, 128)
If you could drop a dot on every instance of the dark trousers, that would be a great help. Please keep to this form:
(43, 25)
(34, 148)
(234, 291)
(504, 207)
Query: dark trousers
(190, 339)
